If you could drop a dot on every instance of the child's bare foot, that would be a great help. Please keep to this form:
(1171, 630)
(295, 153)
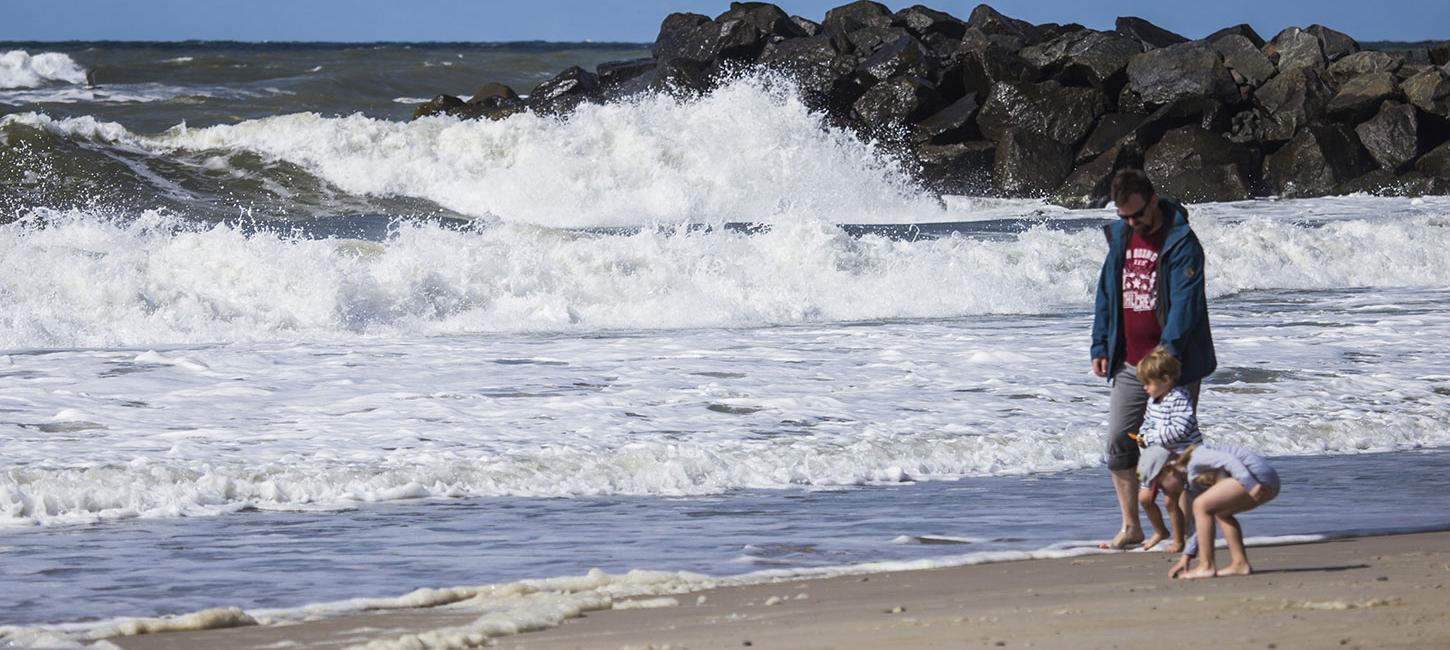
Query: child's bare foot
(1178, 567)
(1125, 539)
(1174, 547)
(1156, 539)
(1200, 573)
(1236, 570)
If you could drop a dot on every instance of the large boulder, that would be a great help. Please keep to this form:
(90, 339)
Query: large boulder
(1335, 45)
(1197, 165)
(1361, 97)
(904, 57)
(1436, 163)
(1108, 132)
(961, 168)
(925, 22)
(1392, 136)
(1085, 58)
(983, 62)
(892, 104)
(1029, 164)
(1383, 182)
(955, 123)
(1429, 91)
(1088, 186)
(1439, 53)
(623, 78)
(1362, 63)
(1208, 114)
(565, 92)
(1295, 48)
(1319, 158)
(808, 26)
(440, 105)
(1248, 66)
(856, 16)
(494, 101)
(1150, 35)
(814, 61)
(766, 18)
(1192, 69)
(1291, 100)
(1241, 29)
(677, 37)
(1063, 114)
(990, 21)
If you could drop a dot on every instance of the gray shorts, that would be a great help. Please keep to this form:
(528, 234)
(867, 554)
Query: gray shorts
(1125, 416)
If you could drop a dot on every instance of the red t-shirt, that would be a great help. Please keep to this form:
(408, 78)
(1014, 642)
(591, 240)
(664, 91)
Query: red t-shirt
(1140, 297)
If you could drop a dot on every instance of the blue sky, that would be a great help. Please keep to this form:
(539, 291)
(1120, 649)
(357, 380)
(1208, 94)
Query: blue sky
(638, 20)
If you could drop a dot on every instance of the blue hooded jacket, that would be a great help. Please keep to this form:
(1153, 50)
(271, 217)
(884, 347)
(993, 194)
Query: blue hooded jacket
(1182, 307)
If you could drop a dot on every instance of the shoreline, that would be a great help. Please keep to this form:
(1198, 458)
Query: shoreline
(1374, 591)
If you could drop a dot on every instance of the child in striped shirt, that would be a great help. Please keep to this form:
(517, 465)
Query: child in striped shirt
(1170, 423)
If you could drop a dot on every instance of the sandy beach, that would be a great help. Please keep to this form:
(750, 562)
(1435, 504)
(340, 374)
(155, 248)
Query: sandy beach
(1371, 592)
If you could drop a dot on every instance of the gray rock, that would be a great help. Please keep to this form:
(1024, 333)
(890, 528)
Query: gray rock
(1063, 114)
(855, 16)
(1335, 45)
(676, 32)
(1110, 129)
(925, 22)
(1192, 69)
(1319, 158)
(1151, 36)
(1241, 29)
(1436, 163)
(955, 123)
(964, 168)
(808, 26)
(1295, 48)
(813, 61)
(1383, 182)
(613, 74)
(1362, 63)
(1360, 97)
(565, 92)
(1197, 165)
(495, 101)
(1029, 164)
(866, 41)
(982, 63)
(892, 104)
(1088, 186)
(1392, 136)
(990, 21)
(1439, 54)
(1291, 100)
(440, 105)
(1429, 91)
(1241, 57)
(904, 57)
(1085, 58)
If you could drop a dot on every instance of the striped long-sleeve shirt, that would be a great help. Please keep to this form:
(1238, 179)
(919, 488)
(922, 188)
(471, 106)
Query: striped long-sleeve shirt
(1170, 422)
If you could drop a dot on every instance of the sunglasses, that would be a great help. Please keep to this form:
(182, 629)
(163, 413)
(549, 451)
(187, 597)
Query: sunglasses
(1136, 215)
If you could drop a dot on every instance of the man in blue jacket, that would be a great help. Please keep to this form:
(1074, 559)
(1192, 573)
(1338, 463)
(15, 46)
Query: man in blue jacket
(1150, 294)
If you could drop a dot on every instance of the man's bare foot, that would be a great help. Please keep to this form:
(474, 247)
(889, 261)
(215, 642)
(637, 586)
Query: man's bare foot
(1200, 573)
(1157, 538)
(1174, 547)
(1125, 539)
(1236, 570)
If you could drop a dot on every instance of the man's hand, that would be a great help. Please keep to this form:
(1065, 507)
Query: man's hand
(1257, 492)
(1100, 366)
(1178, 567)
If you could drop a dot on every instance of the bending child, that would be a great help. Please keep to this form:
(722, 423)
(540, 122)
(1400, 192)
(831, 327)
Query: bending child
(1220, 481)
(1169, 424)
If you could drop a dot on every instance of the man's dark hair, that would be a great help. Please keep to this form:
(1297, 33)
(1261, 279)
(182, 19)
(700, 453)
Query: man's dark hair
(1128, 182)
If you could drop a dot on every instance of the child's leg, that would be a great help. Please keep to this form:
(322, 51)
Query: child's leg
(1176, 504)
(1145, 503)
(1239, 558)
(1225, 498)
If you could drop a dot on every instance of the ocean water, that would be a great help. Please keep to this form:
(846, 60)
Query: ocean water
(266, 343)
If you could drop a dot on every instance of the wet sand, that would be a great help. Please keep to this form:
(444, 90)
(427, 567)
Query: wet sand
(1372, 592)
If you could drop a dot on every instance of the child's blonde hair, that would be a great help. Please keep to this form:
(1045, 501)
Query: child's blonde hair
(1158, 365)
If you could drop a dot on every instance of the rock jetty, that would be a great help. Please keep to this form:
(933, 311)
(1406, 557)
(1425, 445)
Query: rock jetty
(993, 105)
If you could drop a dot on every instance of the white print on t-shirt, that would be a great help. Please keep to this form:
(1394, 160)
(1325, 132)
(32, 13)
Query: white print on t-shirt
(1140, 273)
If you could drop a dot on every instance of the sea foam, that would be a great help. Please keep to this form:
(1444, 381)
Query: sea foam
(20, 69)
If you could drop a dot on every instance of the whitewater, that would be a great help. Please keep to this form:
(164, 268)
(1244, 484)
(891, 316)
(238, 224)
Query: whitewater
(303, 357)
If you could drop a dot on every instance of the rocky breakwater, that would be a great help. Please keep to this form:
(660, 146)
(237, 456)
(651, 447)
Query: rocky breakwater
(1000, 106)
